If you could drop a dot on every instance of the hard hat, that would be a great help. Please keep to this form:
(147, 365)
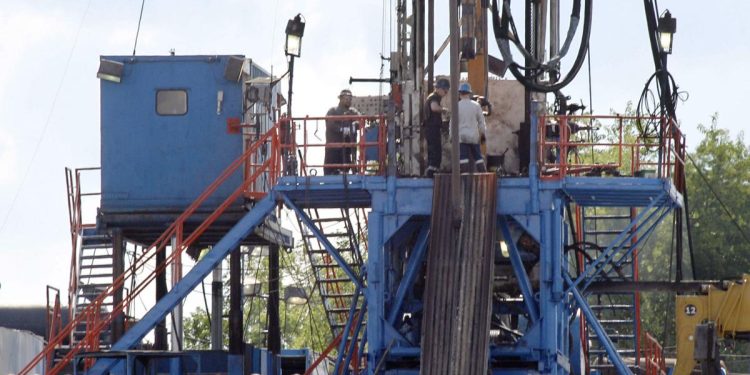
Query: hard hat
(465, 88)
(345, 92)
(443, 83)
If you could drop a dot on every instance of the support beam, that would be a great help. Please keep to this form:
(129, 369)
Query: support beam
(274, 328)
(217, 302)
(118, 267)
(324, 241)
(230, 241)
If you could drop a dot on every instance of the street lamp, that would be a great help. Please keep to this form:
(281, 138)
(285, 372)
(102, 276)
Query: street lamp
(295, 295)
(295, 28)
(667, 28)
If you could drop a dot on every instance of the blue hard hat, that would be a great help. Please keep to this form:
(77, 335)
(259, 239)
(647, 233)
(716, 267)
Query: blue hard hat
(443, 83)
(465, 88)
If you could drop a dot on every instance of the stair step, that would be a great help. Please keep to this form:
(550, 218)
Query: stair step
(616, 336)
(337, 295)
(95, 266)
(334, 265)
(603, 307)
(339, 310)
(323, 251)
(602, 232)
(328, 235)
(606, 217)
(334, 280)
(616, 321)
(328, 220)
(102, 256)
(619, 351)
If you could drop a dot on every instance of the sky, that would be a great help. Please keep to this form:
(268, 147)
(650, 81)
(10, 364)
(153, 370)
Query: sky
(49, 93)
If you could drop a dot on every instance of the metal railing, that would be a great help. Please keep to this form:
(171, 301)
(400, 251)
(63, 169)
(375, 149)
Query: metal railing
(362, 149)
(584, 145)
(77, 225)
(653, 354)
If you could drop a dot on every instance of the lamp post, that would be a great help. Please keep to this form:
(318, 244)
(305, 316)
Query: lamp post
(667, 27)
(295, 29)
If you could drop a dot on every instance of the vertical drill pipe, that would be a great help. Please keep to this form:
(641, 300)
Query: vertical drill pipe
(455, 176)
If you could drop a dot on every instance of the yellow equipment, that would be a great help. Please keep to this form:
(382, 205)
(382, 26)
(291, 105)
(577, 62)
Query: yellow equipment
(727, 310)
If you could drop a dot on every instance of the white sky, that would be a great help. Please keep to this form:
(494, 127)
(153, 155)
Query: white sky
(49, 94)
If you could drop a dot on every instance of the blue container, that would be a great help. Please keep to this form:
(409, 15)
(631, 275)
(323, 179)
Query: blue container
(164, 135)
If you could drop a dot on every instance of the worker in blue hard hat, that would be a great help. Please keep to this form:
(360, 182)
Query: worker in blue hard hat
(338, 158)
(471, 130)
(433, 120)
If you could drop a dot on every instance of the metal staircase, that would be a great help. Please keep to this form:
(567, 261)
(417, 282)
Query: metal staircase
(617, 312)
(95, 274)
(336, 289)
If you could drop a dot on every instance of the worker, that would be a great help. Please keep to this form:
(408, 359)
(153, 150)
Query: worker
(341, 131)
(471, 130)
(432, 123)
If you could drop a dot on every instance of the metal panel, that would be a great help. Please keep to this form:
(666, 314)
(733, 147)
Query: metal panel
(459, 278)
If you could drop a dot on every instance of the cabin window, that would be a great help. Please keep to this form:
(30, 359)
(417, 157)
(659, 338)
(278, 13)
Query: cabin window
(171, 102)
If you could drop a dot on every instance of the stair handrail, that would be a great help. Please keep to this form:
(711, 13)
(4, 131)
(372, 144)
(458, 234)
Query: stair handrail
(272, 164)
(653, 355)
(76, 226)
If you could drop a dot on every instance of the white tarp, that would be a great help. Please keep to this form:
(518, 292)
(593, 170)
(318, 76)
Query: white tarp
(17, 348)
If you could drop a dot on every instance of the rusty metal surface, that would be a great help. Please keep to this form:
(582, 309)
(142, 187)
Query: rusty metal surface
(459, 278)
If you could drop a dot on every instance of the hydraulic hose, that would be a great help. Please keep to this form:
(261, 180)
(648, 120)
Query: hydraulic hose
(501, 27)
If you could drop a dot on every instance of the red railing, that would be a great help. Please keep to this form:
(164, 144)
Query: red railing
(98, 320)
(75, 216)
(653, 355)
(363, 150)
(54, 320)
(579, 145)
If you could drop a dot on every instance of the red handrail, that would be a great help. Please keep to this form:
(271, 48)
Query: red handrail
(92, 312)
(653, 355)
(671, 147)
(312, 139)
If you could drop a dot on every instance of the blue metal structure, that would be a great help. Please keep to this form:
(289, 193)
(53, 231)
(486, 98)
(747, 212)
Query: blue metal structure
(547, 303)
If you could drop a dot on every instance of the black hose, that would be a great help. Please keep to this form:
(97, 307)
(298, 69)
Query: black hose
(500, 27)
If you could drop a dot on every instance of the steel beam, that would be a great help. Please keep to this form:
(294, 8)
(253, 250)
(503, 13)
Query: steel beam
(230, 241)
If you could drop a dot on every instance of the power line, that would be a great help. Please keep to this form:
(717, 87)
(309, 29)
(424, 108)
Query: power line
(138, 30)
(47, 121)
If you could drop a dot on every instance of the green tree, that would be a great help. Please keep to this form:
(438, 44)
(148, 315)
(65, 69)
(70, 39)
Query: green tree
(720, 204)
(303, 326)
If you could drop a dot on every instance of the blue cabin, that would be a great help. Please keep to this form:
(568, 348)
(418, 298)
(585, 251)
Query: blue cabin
(168, 129)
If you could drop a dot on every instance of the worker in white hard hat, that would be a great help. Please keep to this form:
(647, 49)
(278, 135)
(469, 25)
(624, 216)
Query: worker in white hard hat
(471, 130)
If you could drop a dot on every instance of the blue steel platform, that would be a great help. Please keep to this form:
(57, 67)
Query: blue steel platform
(399, 207)
(414, 195)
